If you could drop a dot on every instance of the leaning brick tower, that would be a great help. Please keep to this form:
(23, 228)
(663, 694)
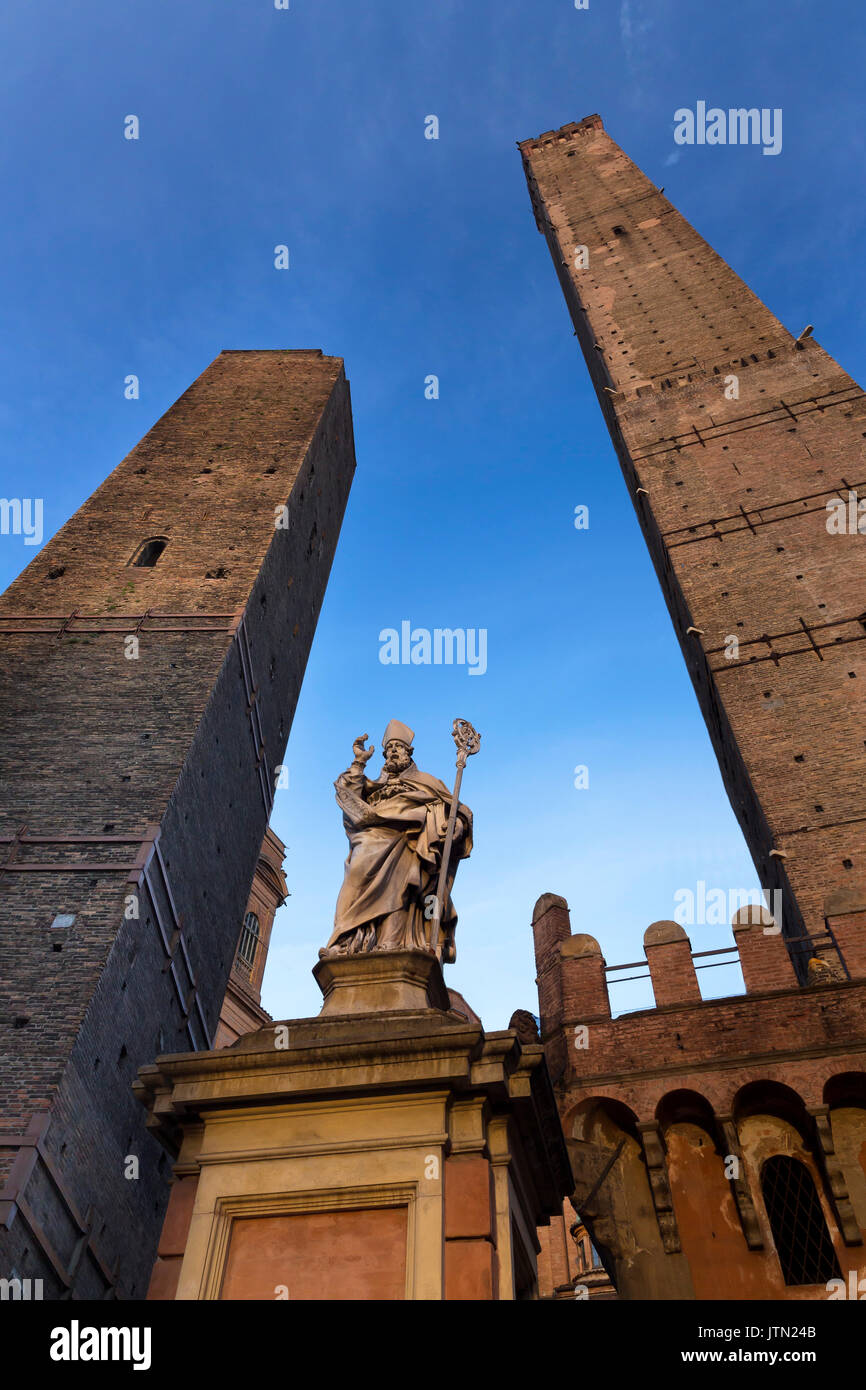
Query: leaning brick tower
(733, 436)
(151, 658)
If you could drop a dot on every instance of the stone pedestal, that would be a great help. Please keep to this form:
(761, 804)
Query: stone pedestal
(398, 1153)
(379, 982)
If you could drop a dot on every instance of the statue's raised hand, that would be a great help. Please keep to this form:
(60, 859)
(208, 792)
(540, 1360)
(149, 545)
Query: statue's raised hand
(362, 754)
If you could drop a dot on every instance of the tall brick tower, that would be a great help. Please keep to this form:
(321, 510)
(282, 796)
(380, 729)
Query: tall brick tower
(733, 436)
(151, 658)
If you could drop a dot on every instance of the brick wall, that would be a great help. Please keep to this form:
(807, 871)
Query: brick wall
(93, 744)
(628, 1087)
(731, 496)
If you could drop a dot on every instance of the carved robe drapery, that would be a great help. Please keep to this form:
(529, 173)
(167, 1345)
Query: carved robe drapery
(396, 828)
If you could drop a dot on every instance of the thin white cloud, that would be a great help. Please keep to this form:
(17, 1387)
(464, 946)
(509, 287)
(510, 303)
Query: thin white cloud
(634, 23)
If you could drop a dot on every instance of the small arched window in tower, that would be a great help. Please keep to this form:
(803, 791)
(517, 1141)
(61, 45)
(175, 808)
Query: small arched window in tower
(800, 1232)
(149, 551)
(249, 940)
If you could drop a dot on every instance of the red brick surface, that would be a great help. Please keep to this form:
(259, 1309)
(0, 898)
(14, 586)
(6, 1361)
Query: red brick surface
(92, 743)
(730, 494)
(731, 497)
(672, 972)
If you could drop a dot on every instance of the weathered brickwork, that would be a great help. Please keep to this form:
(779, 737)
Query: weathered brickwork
(731, 495)
(164, 766)
(655, 1104)
(732, 437)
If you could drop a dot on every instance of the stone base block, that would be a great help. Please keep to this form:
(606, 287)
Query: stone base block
(376, 982)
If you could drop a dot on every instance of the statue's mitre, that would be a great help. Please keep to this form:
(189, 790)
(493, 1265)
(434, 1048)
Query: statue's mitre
(401, 732)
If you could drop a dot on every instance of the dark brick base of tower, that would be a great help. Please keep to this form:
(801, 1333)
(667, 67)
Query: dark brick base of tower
(136, 788)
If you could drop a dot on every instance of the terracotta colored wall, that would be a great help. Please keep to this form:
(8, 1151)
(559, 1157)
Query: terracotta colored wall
(712, 1238)
(470, 1273)
(173, 1238)
(722, 1266)
(470, 1255)
(319, 1256)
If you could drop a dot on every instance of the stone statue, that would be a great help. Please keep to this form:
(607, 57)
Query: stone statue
(523, 1023)
(398, 829)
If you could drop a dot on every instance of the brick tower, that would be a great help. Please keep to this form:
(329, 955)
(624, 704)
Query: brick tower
(152, 656)
(242, 1010)
(733, 436)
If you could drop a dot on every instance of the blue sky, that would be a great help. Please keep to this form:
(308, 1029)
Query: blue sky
(410, 257)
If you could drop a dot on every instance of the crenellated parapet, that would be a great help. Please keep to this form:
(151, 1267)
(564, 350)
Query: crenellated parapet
(673, 1113)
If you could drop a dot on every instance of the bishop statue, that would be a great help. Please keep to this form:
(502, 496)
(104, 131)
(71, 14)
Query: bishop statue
(401, 827)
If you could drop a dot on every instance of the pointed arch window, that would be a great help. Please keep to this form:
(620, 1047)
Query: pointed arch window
(249, 943)
(796, 1217)
(149, 552)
